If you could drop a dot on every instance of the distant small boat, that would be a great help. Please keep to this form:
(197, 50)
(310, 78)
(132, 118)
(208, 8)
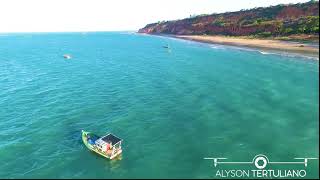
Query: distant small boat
(166, 47)
(67, 56)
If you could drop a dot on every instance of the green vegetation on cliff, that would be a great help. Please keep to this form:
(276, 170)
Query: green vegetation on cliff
(280, 20)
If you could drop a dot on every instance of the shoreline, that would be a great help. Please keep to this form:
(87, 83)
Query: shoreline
(263, 44)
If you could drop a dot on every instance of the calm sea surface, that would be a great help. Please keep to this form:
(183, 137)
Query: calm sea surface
(171, 107)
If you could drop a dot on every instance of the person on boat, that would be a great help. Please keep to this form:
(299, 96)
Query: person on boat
(108, 148)
(90, 140)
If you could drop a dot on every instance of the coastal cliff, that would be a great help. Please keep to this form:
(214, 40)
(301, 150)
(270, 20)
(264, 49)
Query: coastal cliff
(274, 21)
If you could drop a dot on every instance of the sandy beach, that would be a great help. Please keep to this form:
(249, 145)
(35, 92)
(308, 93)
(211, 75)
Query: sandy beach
(275, 45)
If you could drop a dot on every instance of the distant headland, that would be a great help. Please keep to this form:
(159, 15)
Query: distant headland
(272, 25)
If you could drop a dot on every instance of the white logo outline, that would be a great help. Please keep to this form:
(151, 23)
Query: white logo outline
(257, 158)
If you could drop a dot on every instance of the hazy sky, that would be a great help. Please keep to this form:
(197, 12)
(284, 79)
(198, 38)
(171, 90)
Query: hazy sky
(109, 15)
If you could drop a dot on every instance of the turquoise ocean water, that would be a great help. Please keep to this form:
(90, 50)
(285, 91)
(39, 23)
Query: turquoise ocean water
(171, 107)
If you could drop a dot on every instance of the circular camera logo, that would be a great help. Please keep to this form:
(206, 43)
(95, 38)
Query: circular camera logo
(260, 161)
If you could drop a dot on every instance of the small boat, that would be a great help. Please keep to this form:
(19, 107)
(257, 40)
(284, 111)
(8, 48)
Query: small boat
(166, 47)
(108, 146)
(67, 56)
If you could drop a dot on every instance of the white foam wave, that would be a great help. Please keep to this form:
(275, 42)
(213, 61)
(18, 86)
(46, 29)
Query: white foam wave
(265, 53)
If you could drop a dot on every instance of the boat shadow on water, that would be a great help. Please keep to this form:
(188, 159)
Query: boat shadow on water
(107, 165)
(115, 164)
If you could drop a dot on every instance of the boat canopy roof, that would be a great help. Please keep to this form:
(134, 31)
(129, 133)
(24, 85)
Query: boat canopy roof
(111, 138)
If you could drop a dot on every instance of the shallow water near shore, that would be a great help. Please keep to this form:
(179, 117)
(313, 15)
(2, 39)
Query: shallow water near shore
(171, 107)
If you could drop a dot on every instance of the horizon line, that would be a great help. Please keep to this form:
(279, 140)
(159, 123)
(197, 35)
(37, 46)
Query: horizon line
(90, 31)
